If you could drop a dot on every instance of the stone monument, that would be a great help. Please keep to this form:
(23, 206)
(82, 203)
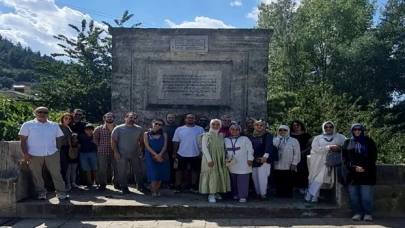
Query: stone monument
(209, 72)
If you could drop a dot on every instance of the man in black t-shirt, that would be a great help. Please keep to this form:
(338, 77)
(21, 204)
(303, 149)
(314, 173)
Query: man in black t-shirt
(78, 125)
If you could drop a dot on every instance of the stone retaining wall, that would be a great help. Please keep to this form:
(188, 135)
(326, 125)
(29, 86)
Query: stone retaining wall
(16, 184)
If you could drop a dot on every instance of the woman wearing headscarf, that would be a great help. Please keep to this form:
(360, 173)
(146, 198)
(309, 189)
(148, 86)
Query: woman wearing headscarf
(320, 175)
(298, 132)
(359, 156)
(240, 150)
(214, 177)
(289, 155)
(249, 126)
(264, 154)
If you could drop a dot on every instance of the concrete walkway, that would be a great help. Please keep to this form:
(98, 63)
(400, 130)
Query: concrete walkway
(223, 223)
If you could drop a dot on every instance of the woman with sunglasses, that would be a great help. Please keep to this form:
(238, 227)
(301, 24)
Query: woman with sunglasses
(301, 177)
(214, 176)
(289, 155)
(264, 154)
(359, 157)
(320, 175)
(156, 156)
(67, 165)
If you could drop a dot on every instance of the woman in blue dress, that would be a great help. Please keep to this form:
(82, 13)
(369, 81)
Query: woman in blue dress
(156, 157)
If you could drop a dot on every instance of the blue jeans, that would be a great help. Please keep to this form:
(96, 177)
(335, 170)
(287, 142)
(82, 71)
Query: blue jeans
(361, 198)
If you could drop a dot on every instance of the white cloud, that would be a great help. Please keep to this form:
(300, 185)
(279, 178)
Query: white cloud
(235, 3)
(254, 14)
(199, 22)
(34, 23)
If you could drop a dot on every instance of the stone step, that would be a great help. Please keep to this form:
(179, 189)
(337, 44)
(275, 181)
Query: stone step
(111, 204)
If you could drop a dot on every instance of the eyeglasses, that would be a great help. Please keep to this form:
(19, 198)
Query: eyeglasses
(42, 112)
(328, 127)
(158, 124)
(356, 129)
(282, 130)
(67, 118)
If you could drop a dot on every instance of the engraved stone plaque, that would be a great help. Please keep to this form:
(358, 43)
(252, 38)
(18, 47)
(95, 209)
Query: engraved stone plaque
(196, 85)
(189, 44)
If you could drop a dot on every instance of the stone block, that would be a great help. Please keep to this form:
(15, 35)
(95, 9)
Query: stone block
(388, 174)
(389, 199)
(210, 72)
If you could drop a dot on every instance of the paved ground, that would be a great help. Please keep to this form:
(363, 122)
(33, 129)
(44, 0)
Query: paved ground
(223, 223)
(111, 196)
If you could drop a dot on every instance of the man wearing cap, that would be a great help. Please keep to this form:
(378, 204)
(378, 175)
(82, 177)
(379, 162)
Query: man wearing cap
(40, 140)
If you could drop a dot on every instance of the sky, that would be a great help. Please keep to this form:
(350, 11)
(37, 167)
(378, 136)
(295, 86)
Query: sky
(33, 23)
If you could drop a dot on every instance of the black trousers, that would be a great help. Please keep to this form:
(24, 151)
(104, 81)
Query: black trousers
(284, 183)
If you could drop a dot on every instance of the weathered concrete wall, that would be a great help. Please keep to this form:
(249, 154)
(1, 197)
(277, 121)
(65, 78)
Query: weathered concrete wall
(389, 193)
(15, 178)
(209, 72)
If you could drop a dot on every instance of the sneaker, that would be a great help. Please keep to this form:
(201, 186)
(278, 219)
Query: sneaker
(154, 195)
(314, 200)
(211, 199)
(41, 197)
(368, 218)
(159, 193)
(62, 196)
(74, 185)
(218, 196)
(242, 200)
(193, 190)
(356, 217)
(308, 196)
(102, 187)
(235, 197)
(302, 191)
(126, 190)
(177, 190)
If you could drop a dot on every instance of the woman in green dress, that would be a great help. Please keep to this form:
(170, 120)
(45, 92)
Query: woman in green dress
(214, 177)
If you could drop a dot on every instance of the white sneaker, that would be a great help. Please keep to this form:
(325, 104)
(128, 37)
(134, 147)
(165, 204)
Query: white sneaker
(308, 196)
(302, 191)
(242, 200)
(368, 218)
(41, 197)
(235, 197)
(356, 217)
(218, 196)
(62, 196)
(211, 199)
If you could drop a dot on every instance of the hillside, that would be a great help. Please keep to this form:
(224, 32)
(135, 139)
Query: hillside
(17, 64)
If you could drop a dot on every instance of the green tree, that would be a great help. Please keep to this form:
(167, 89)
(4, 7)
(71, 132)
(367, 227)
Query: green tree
(85, 81)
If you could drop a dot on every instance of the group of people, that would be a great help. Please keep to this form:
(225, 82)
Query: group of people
(214, 156)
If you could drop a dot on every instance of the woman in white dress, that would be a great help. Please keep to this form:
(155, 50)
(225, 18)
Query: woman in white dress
(320, 175)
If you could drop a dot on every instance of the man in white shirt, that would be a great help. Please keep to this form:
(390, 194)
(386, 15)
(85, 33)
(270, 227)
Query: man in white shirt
(187, 152)
(40, 140)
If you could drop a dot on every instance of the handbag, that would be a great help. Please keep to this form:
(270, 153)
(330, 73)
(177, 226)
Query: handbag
(73, 151)
(232, 161)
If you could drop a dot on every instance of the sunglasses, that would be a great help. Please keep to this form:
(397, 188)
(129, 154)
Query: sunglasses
(282, 130)
(78, 114)
(330, 127)
(158, 124)
(43, 112)
(356, 129)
